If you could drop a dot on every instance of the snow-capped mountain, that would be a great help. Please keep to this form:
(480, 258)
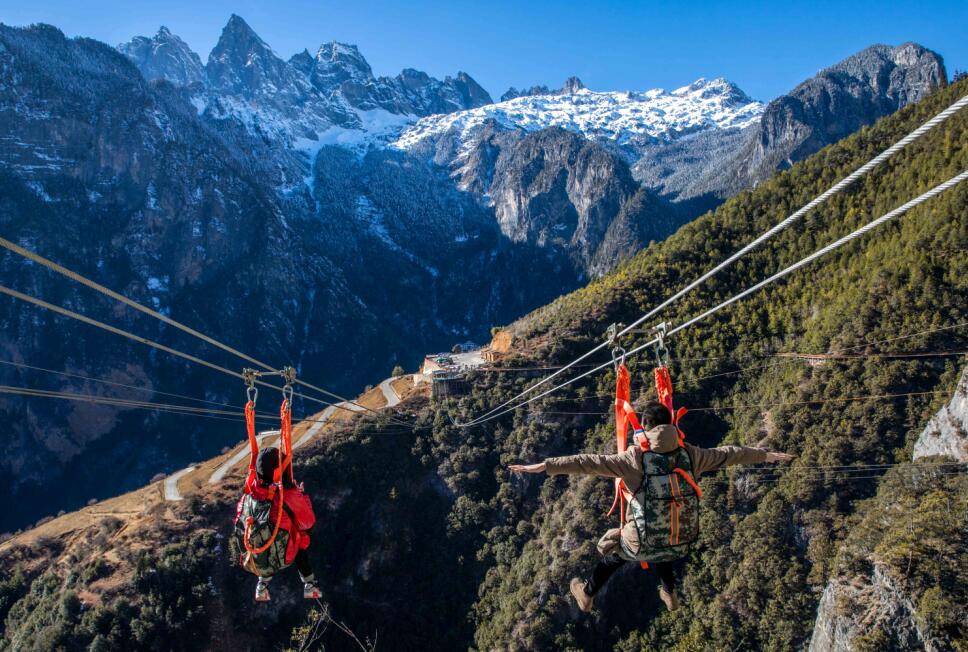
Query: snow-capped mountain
(627, 119)
(305, 102)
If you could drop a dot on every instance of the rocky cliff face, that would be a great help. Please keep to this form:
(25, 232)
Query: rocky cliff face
(884, 608)
(559, 191)
(947, 432)
(851, 611)
(835, 103)
(164, 56)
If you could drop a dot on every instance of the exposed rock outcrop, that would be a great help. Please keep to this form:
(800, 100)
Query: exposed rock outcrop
(849, 611)
(947, 431)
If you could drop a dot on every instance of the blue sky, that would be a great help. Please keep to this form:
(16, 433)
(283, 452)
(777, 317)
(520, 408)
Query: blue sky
(764, 47)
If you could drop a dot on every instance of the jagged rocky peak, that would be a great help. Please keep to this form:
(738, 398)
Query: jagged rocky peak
(164, 56)
(719, 87)
(571, 85)
(902, 74)
(338, 62)
(473, 93)
(242, 63)
(303, 62)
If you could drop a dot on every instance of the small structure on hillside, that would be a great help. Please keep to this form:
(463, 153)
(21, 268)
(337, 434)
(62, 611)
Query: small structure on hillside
(447, 371)
(447, 383)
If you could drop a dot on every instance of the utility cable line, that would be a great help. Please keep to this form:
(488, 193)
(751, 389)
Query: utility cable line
(846, 399)
(827, 478)
(780, 226)
(857, 233)
(222, 415)
(112, 383)
(835, 354)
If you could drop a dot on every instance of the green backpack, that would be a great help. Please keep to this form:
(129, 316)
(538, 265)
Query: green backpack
(273, 559)
(665, 508)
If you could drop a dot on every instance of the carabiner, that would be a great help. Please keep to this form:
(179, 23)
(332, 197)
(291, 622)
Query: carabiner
(618, 356)
(289, 375)
(251, 391)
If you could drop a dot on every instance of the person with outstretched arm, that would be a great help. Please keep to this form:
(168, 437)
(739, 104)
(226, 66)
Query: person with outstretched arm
(663, 510)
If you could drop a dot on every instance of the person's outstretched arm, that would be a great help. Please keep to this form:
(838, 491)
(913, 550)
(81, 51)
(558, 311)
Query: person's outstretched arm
(706, 460)
(620, 465)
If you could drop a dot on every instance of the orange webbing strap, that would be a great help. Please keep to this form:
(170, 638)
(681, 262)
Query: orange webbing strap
(692, 483)
(663, 387)
(623, 392)
(253, 442)
(285, 438)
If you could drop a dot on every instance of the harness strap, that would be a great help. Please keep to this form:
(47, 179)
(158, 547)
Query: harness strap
(692, 483)
(253, 442)
(663, 387)
(624, 415)
(284, 468)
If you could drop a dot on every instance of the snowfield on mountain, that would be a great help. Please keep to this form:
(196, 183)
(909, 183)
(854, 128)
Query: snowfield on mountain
(617, 117)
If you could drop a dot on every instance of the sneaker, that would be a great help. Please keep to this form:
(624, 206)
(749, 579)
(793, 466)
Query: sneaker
(581, 597)
(669, 598)
(262, 591)
(311, 591)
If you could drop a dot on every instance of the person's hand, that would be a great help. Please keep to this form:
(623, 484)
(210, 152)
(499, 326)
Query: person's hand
(773, 456)
(527, 468)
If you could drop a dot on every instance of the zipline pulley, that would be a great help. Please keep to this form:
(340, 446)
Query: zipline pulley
(618, 352)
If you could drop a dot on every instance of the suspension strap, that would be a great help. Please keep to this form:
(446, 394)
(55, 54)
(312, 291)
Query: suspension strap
(624, 417)
(284, 468)
(252, 394)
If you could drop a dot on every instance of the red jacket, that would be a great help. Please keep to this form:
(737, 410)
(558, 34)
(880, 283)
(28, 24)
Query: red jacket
(298, 526)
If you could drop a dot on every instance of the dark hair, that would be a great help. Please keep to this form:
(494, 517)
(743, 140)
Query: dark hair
(266, 465)
(655, 414)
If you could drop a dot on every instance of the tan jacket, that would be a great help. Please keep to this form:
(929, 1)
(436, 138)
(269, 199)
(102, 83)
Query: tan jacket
(628, 467)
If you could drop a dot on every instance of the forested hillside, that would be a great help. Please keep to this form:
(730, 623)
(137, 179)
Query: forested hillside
(426, 540)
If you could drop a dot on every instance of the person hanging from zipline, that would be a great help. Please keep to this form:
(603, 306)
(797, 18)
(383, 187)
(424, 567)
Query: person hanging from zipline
(274, 515)
(297, 519)
(660, 475)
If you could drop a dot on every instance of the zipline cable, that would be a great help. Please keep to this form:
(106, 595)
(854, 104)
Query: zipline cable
(161, 347)
(780, 226)
(863, 230)
(74, 276)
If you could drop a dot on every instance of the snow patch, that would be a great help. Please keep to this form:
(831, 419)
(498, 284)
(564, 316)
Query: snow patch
(199, 103)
